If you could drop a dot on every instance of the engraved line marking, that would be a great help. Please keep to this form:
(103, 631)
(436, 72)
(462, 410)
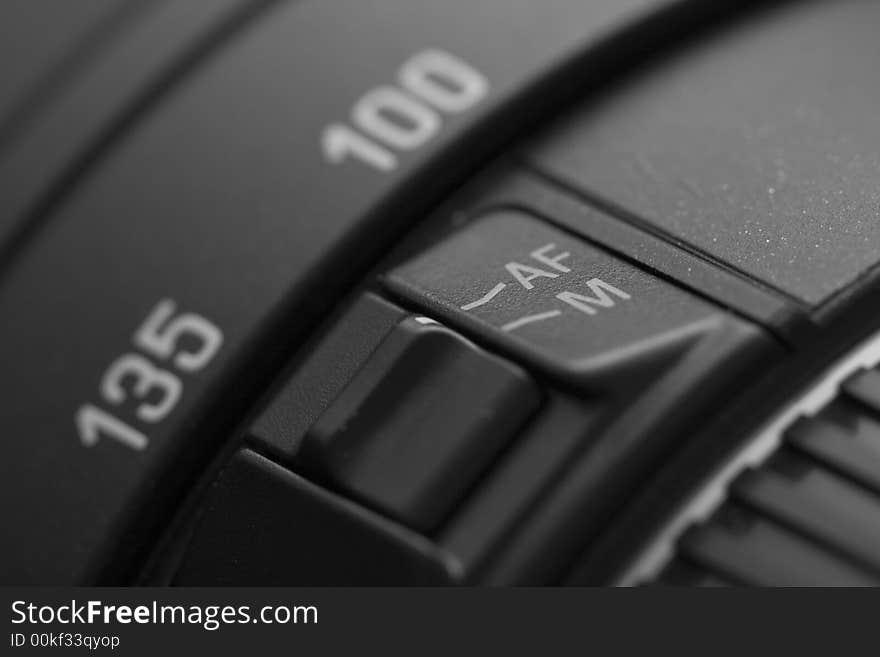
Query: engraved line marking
(529, 319)
(491, 294)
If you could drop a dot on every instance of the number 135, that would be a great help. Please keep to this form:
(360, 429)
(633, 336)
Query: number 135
(188, 341)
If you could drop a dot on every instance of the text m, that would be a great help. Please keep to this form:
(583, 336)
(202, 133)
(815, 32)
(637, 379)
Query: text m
(601, 296)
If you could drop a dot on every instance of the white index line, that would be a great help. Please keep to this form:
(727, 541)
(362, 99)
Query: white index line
(491, 294)
(529, 319)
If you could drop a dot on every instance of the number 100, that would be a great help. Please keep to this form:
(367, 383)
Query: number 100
(389, 119)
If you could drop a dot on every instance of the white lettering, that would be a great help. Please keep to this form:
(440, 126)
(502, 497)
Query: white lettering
(600, 289)
(525, 274)
(551, 261)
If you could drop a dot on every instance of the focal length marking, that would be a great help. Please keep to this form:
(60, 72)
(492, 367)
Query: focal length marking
(134, 376)
(390, 119)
